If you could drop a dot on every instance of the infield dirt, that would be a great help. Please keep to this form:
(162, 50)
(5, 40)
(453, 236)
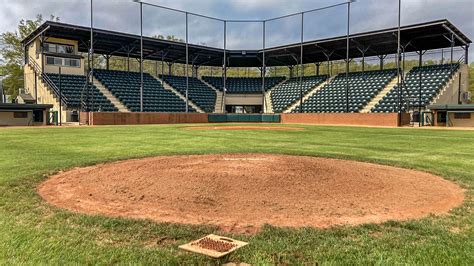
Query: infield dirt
(242, 192)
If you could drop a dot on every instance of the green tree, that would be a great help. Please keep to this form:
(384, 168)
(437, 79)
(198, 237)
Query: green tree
(11, 52)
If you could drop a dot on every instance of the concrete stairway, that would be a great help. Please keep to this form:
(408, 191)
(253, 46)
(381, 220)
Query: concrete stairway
(307, 95)
(116, 102)
(378, 97)
(183, 97)
(219, 108)
(219, 102)
(268, 98)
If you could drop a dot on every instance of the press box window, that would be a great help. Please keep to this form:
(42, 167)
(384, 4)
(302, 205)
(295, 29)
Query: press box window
(63, 62)
(59, 48)
(462, 115)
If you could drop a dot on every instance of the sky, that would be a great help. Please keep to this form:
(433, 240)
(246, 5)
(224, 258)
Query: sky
(123, 15)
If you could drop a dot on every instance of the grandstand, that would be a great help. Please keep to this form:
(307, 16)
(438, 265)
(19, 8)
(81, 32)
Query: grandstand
(244, 85)
(199, 93)
(432, 79)
(363, 91)
(363, 87)
(74, 92)
(126, 87)
(292, 90)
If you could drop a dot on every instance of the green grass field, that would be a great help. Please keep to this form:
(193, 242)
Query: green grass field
(32, 232)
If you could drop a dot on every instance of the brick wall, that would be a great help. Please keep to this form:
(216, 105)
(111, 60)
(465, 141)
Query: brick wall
(142, 118)
(356, 119)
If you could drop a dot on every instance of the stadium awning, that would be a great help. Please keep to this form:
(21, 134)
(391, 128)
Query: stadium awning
(424, 36)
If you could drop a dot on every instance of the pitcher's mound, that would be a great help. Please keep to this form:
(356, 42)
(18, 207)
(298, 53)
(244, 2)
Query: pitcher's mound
(242, 192)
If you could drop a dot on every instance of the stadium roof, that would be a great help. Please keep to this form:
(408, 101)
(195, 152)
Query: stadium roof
(423, 36)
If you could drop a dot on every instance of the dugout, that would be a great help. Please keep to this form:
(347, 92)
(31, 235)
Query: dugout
(450, 115)
(13, 114)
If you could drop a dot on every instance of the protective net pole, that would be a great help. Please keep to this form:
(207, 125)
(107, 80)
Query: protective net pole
(399, 89)
(301, 62)
(187, 62)
(141, 57)
(91, 71)
(224, 68)
(263, 67)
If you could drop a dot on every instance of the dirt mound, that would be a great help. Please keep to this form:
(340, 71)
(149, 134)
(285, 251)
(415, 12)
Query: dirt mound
(241, 192)
(269, 128)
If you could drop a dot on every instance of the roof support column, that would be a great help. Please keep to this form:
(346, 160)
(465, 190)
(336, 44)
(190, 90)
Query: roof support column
(301, 62)
(141, 56)
(399, 89)
(317, 65)
(420, 64)
(452, 48)
(466, 55)
(382, 57)
(347, 54)
(91, 75)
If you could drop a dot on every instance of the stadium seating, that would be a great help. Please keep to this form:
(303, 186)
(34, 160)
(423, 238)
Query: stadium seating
(198, 92)
(363, 87)
(73, 89)
(289, 92)
(126, 87)
(433, 79)
(243, 85)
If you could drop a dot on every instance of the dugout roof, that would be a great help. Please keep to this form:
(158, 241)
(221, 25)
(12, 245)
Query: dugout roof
(423, 36)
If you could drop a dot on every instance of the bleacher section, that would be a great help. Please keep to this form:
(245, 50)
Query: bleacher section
(243, 85)
(434, 78)
(73, 88)
(363, 86)
(126, 87)
(289, 92)
(198, 92)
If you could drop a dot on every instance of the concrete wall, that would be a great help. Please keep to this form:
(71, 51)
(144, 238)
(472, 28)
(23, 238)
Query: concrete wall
(243, 99)
(461, 122)
(141, 118)
(451, 95)
(7, 119)
(356, 119)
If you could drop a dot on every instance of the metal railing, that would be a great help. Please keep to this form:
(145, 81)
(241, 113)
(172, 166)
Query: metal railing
(47, 80)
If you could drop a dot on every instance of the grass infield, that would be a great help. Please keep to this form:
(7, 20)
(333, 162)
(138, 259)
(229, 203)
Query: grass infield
(33, 232)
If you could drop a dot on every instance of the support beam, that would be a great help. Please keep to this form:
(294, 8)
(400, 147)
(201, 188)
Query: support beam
(347, 54)
(466, 55)
(170, 68)
(382, 58)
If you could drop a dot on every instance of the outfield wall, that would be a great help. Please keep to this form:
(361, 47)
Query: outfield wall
(141, 118)
(356, 119)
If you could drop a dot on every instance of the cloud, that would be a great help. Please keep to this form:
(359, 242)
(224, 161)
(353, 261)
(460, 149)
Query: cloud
(123, 15)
